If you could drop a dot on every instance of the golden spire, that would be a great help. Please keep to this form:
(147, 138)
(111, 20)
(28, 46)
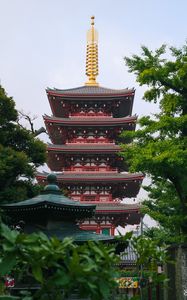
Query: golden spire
(92, 55)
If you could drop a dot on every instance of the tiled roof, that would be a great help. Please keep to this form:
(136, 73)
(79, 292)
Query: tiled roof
(108, 120)
(117, 206)
(129, 257)
(90, 90)
(82, 147)
(97, 176)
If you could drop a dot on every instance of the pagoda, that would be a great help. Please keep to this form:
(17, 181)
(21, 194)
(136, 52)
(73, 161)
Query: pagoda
(84, 130)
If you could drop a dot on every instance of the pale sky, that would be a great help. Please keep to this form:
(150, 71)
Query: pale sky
(43, 44)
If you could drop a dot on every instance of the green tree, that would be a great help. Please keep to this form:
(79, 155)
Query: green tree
(20, 153)
(159, 147)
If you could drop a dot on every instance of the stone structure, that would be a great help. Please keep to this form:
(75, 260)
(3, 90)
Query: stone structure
(176, 272)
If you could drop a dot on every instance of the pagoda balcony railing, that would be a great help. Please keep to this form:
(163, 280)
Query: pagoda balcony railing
(90, 141)
(90, 169)
(96, 198)
(88, 115)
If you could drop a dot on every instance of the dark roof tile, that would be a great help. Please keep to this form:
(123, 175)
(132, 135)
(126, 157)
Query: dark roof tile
(90, 90)
(108, 120)
(97, 176)
(74, 147)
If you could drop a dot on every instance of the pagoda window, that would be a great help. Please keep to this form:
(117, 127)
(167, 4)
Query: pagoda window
(79, 133)
(106, 231)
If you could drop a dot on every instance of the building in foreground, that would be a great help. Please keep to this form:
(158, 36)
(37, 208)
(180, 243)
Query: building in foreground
(84, 130)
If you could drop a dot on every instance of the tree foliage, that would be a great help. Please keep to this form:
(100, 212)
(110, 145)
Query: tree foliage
(20, 153)
(56, 266)
(159, 147)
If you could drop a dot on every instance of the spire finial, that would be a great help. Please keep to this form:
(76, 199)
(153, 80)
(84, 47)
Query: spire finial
(92, 20)
(92, 55)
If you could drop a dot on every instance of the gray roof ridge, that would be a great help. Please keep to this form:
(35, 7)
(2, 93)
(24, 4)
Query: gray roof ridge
(88, 87)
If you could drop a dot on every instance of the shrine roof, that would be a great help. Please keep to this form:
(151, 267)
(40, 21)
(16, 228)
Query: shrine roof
(82, 147)
(90, 91)
(96, 177)
(90, 120)
(51, 199)
(56, 199)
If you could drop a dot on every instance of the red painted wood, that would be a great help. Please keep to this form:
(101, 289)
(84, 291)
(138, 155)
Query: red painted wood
(72, 130)
(112, 230)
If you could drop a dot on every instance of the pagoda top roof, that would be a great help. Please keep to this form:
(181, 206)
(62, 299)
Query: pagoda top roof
(90, 91)
(83, 147)
(96, 177)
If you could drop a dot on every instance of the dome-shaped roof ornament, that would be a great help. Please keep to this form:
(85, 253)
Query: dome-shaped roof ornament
(52, 186)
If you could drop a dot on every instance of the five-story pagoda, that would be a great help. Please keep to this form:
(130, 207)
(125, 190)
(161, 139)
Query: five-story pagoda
(84, 130)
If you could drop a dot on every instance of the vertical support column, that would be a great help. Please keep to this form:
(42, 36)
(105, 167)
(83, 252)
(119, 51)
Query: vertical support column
(98, 229)
(112, 230)
(110, 197)
(157, 291)
(149, 291)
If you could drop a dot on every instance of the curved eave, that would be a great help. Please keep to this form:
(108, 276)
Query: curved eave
(116, 211)
(78, 235)
(77, 149)
(46, 206)
(91, 95)
(89, 121)
(122, 213)
(95, 178)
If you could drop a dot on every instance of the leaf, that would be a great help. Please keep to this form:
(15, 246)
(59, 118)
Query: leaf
(7, 264)
(10, 235)
(104, 289)
(37, 272)
(9, 298)
(62, 279)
